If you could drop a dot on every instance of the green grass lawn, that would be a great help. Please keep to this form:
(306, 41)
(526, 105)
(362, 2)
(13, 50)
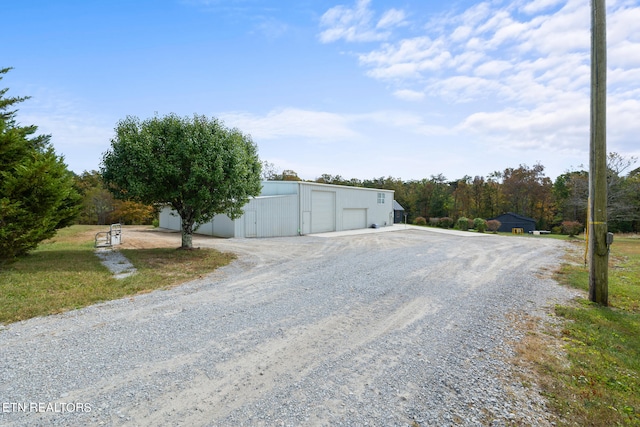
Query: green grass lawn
(65, 274)
(596, 381)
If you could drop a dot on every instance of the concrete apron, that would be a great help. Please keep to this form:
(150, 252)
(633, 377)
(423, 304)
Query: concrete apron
(400, 227)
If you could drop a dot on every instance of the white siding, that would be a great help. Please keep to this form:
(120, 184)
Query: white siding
(273, 216)
(306, 222)
(169, 219)
(206, 228)
(219, 226)
(223, 226)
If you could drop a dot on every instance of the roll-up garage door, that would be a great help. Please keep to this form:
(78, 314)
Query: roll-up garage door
(323, 211)
(353, 219)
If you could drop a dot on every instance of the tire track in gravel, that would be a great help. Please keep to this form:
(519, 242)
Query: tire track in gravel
(290, 356)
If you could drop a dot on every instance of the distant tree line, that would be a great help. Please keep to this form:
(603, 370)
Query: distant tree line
(100, 207)
(523, 190)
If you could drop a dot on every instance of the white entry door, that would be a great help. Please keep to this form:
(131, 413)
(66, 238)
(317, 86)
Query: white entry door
(250, 224)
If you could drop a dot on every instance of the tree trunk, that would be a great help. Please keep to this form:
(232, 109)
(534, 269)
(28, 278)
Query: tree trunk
(187, 234)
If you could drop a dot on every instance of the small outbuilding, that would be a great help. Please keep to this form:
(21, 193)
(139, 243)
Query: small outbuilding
(291, 208)
(510, 220)
(398, 213)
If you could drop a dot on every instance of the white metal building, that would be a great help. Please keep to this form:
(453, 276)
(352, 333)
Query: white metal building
(291, 208)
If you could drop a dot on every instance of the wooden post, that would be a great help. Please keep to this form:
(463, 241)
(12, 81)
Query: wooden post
(598, 246)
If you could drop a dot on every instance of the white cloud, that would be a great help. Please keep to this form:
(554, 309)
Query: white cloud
(623, 126)
(356, 24)
(492, 68)
(628, 80)
(459, 89)
(72, 131)
(622, 25)
(461, 33)
(351, 24)
(540, 5)
(509, 31)
(475, 15)
(401, 71)
(291, 122)
(483, 40)
(465, 62)
(540, 129)
(409, 58)
(625, 54)
(522, 70)
(564, 32)
(409, 50)
(319, 126)
(391, 18)
(409, 95)
(402, 121)
(365, 141)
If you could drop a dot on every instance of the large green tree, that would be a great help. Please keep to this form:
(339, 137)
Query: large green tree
(37, 195)
(196, 165)
(571, 193)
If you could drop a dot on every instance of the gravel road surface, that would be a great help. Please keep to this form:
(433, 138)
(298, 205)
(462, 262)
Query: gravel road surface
(403, 328)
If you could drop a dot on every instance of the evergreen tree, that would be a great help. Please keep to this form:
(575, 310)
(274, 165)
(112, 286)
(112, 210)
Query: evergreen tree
(37, 195)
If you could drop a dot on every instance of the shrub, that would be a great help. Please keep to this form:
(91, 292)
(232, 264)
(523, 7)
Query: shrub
(480, 225)
(572, 228)
(493, 225)
(420, 221)
(556, 230)
(445, 222)
(463, 224)
(130, 212)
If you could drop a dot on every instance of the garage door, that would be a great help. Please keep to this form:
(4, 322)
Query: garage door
(323, 211)
(353, 219)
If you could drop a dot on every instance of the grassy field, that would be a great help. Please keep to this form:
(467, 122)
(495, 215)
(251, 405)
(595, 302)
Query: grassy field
(64, 274)
(589, 364)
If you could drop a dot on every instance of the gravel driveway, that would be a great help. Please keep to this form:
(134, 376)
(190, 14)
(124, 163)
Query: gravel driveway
(409, 327)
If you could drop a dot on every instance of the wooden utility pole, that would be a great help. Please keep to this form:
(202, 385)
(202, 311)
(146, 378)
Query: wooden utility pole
(598, 239)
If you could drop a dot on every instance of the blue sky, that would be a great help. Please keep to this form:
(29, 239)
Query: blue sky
(357, 88)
